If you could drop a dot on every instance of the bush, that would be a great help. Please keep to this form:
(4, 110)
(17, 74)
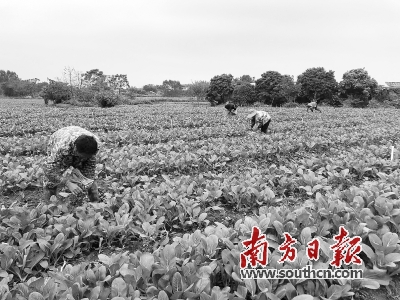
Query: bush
(358, 102)
(56, 91)
(394, 103)
(375, 104)
(17, 88)
(107, 99)
(395, 91)
(385, 104)
(334, 101)
(347, 103)
(85, 95)
(291, 105)
(382, 94)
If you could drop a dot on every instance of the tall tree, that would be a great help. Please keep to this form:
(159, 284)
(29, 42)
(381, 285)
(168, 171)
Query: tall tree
(172, 88)
(244, 93)
(268, 87)
(221, 88)
(95, 79)
(150, 88)
(199, 89)
(246, 78)
(289, 89)
(17, 88)
(118, 82)
(73, 78)
(358, 83)
(316, 83)
(7, 76)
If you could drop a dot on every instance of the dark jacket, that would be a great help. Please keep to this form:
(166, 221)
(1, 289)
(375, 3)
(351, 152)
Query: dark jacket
(230, 106)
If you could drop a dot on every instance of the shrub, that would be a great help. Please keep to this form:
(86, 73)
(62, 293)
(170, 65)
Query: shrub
(375, 104)
(334, 101)
(382, 94)
(395, 91)
(347, 102)
(17, 88)
(107, 99)
(56, 91)
(85, 95)
(359, 102)
(394, 103)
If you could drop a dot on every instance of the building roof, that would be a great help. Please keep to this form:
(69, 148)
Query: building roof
(393, 84)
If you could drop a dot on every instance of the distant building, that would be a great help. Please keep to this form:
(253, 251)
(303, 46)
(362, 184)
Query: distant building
(34, 80)
(393, 84)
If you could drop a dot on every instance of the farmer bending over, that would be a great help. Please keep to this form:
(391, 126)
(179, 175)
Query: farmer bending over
(74, 147)
(312, 106)
(260, 118)
(231, 108)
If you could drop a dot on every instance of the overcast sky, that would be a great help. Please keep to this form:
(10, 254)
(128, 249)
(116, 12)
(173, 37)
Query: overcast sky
(190, 40)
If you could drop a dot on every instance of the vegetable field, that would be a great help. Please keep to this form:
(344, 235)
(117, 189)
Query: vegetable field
(182, 185)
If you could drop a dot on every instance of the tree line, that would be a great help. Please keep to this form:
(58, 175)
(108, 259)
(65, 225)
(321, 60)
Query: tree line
(92, 86)
(357, 88)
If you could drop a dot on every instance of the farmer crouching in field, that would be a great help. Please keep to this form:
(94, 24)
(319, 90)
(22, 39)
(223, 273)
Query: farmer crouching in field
(260, 118)
(313, 105)
(74, 147)
(232, 108)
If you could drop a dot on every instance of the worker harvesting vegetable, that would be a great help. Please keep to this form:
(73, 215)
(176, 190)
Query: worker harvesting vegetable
(71, 148)
(260, 118)
(232, 108)
(313, 105)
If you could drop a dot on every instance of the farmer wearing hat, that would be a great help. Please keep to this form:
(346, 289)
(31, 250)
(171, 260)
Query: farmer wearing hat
(260, 118)
(312, 106)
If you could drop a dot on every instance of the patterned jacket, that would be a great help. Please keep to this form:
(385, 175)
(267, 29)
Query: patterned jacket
(61, 156)
(312, 104)
(261, 117)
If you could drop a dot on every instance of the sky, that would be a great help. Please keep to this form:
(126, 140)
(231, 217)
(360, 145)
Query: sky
(188, 40)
